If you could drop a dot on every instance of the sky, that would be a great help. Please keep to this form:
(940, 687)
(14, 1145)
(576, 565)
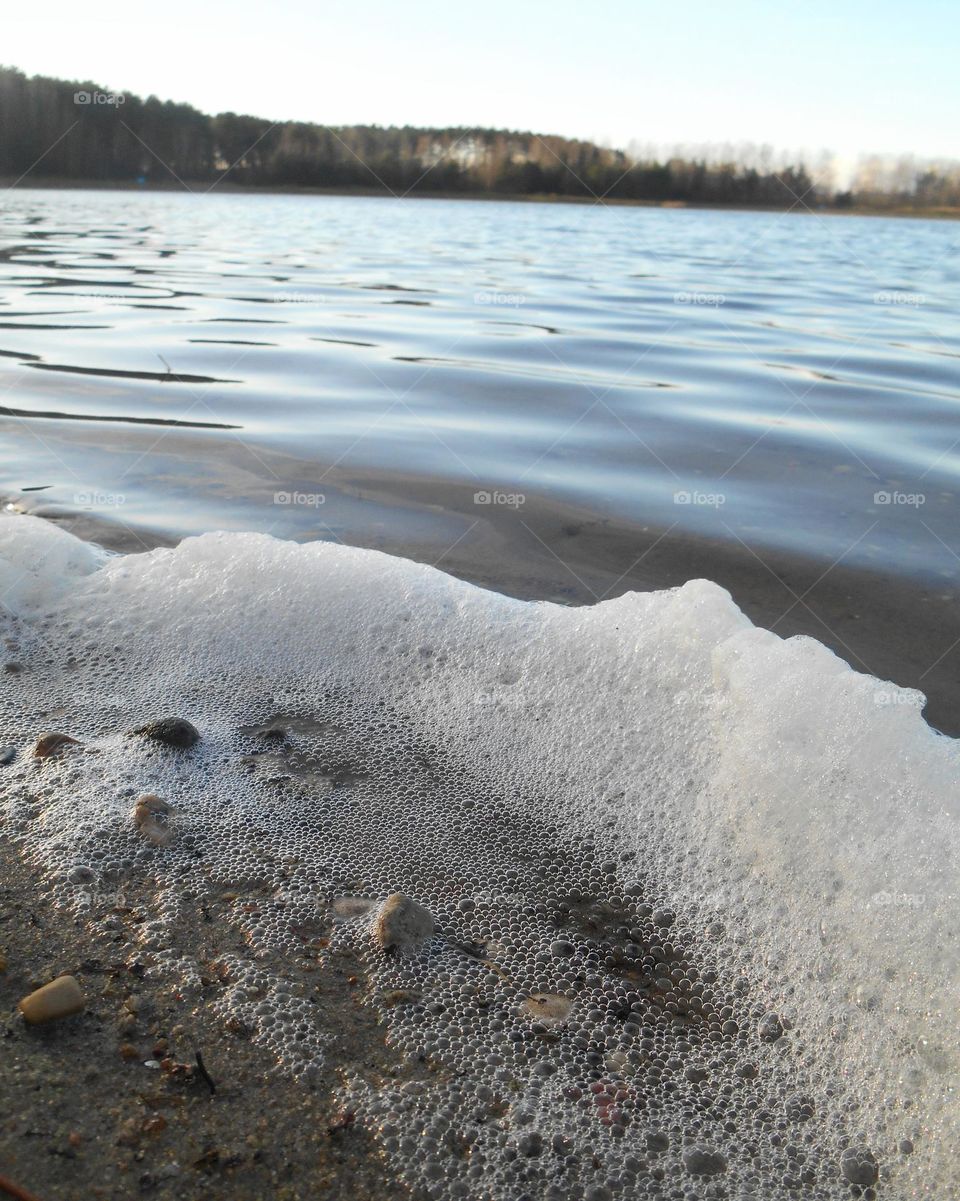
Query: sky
(849, 76)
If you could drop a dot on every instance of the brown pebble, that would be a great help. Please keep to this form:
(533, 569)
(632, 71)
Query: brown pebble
(52, 744)
(58, 999)
(129, 1051)
(402, 924)
(548, 1008)
(149, 816)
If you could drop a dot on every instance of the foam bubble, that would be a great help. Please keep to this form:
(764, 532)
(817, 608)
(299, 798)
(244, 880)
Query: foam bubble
(693, 888)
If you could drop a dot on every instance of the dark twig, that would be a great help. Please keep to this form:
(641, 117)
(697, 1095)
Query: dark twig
(204, 1073)
(14, 1190)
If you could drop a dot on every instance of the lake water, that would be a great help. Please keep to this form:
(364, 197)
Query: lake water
(190, 362)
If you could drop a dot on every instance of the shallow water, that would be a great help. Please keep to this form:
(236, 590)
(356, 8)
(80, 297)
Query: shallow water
(221, 361)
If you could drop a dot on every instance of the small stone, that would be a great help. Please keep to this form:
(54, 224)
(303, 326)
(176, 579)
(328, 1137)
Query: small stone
(702, 1161)
(402, 924)
(561, 947)
(906, 1146)
(172, 731)
(769, 1028)
(150, 818)
(52, 744)
(548, 1008)
(657, 1141)
(58, 999)
(747, 1071)
(7, 755)
(859, 1166)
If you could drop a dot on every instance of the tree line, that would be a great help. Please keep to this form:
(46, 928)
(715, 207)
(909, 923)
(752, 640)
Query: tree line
(53, 130)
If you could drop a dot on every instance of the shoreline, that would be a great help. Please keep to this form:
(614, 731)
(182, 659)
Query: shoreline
(204, 188)
(894, 628)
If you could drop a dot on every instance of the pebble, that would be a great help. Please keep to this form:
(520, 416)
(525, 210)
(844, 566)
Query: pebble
(859, 1166)
(173, 731)
(7, 755)
(769, 1028)
(52, 744)
(402, 924)
(548, 1008)
(58, 999)
(149, 816)
(701, 1161)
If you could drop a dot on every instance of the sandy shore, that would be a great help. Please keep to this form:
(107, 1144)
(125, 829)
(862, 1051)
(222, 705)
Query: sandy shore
(109, 1104)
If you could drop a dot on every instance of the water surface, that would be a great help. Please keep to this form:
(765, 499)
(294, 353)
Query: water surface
(788, 381)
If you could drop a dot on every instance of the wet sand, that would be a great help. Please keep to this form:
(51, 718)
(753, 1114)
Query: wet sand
(108, 1104)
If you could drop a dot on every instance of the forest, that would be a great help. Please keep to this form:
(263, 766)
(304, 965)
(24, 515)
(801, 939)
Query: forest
(57, 131)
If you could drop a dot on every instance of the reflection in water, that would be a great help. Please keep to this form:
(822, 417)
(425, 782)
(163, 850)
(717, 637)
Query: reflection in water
(790, 382)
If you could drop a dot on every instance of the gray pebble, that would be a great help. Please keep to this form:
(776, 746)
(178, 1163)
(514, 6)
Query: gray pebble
(769, 1028)
(172, 731)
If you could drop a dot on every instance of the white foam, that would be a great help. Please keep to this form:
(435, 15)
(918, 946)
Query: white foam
(797, 818)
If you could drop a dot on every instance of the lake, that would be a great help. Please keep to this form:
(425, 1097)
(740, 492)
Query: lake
(226, 361)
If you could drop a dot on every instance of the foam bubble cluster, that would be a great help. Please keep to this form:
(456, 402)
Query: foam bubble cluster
(692, 888)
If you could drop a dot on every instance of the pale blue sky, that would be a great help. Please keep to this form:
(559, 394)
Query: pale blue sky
(848, 75)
